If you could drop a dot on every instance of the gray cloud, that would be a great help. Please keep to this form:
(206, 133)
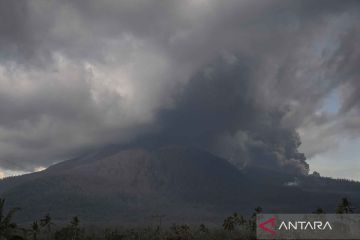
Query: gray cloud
(219, 110)
(239, 78)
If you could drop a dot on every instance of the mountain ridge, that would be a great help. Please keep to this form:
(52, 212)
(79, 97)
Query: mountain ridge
(185, 183)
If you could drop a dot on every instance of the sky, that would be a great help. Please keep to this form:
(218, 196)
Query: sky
(264, 83)
(342, 160)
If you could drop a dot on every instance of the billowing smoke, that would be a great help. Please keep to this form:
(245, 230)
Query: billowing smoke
(238, 78)
(219, 110)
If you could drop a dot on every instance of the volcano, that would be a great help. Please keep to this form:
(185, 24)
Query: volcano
(181, 183)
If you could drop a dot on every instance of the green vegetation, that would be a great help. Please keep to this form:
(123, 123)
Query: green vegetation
(234, 227)
(8, 229)
(344, 207)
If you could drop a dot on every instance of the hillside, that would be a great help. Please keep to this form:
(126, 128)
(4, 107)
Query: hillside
(183, 183)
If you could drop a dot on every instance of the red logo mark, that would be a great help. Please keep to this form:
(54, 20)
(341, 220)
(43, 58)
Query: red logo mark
(269, 230)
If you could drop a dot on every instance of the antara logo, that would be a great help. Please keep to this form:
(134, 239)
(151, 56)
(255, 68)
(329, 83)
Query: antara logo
(303, 225)
(269, 225)
(272, 223)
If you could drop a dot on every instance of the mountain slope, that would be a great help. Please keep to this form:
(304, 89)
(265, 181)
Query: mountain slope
(186, 184)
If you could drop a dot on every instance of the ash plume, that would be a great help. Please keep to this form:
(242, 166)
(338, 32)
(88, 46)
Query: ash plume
(245, 80)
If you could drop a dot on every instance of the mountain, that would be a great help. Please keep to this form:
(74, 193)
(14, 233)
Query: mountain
(183, 183)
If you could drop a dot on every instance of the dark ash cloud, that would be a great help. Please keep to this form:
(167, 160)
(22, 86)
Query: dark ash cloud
(239, 78)
(218, 110)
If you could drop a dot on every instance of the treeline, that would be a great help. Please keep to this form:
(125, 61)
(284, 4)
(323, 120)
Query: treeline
(234, 227)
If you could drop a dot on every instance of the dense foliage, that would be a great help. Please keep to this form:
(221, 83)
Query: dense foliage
(234, 227)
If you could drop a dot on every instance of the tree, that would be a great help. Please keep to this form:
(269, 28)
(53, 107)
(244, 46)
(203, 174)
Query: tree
(47, 223)
(252, 221)
(182, 232)
(35, 230)
(319, 211)
(257, 210)
(229, 224)
(232, 221)
(344, 207)
(203, 229)
(7, 227)
(74, 225)
(70, 232)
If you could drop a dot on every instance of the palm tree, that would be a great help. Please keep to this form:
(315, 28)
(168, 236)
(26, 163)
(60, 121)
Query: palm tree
(203, 229)
(7, 227)
(231, 221)
(319, 211)
(252, 220)
(75, 222)
(257, 210)
(35, 230)
(344, 207)
(229, 224)
(46, 222)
